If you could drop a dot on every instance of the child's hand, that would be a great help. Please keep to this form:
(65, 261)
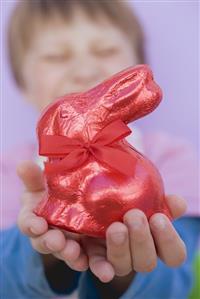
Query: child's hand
(135, 244)
(136, 252)
(44, 240)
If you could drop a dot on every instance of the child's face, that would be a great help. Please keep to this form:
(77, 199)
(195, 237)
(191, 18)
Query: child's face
(73, 57)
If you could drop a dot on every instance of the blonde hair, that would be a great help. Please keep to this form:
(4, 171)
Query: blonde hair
(25, 17)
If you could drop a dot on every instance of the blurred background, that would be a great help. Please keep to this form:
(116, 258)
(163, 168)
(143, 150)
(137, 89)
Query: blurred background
(171, 30)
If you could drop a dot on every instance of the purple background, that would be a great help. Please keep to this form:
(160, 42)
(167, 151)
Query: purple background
(172, 45)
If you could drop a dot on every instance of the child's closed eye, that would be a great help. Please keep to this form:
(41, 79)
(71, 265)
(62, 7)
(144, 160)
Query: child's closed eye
(56, 57)
(107, 51)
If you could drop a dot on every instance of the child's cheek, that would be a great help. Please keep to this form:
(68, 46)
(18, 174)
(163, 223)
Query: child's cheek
(46, 78)
(119, 62)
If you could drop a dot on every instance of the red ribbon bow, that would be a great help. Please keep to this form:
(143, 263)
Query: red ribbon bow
(103, 147)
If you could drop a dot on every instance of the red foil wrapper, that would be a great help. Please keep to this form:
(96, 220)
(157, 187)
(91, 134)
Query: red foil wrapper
(93, 175)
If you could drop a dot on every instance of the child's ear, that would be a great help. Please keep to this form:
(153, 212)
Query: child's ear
(130, 94)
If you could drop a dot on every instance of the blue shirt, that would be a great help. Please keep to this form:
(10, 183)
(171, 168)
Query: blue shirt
(22, 275)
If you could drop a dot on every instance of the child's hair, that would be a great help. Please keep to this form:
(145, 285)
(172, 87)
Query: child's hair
(27, 14)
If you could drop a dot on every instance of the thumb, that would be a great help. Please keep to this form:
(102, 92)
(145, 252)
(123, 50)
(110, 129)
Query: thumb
(177, 205)
(31, 175)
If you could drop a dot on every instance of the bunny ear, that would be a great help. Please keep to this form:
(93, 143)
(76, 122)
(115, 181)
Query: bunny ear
(46, 122)
(57, 115)
(129, 94)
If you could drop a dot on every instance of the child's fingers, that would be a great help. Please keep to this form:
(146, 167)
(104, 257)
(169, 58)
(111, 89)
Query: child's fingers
(171, 249)
(31, 175)
(98, 263)
(144, 256)
(73, 255)
(32, 225)
(101, 268)
(118, 248)
(79, 264)
(54, 242)
(30, 200)
(177, 205)
(70, 252)
(51, 242)
(29, 223)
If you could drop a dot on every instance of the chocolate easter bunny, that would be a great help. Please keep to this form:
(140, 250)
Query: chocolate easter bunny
(93, 174)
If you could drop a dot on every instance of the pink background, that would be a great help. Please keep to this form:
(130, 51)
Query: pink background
(172, 46)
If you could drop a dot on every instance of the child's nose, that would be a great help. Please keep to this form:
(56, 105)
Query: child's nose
(86, 77)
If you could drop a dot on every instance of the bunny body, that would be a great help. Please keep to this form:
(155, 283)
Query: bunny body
(89, 198)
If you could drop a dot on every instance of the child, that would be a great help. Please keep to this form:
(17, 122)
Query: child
(58, 47)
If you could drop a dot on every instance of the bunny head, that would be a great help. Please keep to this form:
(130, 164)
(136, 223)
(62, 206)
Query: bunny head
(128, 95)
